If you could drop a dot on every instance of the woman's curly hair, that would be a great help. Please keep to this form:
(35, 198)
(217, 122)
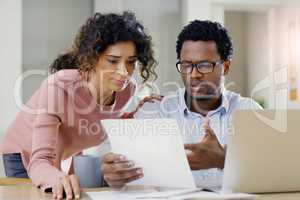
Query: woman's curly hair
(101, 31)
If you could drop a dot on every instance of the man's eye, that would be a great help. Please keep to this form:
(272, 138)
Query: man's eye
(207, 65)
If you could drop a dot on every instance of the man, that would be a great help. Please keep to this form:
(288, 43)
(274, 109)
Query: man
(203, 108)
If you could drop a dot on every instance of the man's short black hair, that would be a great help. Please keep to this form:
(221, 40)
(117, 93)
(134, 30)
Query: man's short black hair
(198, 30)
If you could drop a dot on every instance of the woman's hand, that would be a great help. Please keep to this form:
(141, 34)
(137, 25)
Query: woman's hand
(149, 99)
(117, 170)
(68, 184)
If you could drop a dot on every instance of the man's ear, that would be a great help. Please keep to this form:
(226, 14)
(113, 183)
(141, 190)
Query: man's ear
(226, 65)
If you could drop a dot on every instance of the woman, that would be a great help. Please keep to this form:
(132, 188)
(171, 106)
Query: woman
(89, 83)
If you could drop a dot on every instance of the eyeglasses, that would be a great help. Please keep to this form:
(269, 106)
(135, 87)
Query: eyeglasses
(204, 67)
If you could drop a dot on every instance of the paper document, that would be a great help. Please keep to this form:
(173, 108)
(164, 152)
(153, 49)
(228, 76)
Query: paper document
(215, 196)
(167, 194)
(117, 195)
(139, 194)
(194, 194)
(156, 146)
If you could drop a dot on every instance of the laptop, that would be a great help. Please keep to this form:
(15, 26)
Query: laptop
(263, 152)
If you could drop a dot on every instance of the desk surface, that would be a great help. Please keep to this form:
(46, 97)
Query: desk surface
(22, 189)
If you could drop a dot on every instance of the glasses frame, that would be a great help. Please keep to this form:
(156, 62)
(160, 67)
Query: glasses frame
(195, 65)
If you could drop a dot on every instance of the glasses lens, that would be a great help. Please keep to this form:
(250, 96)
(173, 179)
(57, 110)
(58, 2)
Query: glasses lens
(184, 68)
(205, 67)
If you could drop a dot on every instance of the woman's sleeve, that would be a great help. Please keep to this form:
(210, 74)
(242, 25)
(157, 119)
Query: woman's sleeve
(43, 168)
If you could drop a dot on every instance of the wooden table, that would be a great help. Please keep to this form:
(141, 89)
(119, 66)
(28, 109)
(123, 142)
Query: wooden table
(22, 189)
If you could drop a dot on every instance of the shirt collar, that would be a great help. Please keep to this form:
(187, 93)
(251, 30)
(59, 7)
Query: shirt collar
(223, 108)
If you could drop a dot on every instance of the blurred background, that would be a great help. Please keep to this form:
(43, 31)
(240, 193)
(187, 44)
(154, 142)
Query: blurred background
(265, 33)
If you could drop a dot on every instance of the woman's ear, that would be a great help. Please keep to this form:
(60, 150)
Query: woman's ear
(226, 65)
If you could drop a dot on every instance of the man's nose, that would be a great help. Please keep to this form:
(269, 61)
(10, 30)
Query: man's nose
(195, 73)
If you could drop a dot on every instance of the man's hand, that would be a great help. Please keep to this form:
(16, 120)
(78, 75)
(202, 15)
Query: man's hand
(208, 153)
(117, 170)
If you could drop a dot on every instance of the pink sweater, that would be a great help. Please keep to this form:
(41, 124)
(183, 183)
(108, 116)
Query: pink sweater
(59, 120)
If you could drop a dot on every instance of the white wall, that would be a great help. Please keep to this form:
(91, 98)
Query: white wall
(236, 80)
(195, 9)
(10, 57)
(105, 6)
(269, 59)
(287, 47)
(49, 29)
(214, 9)
(257, 53)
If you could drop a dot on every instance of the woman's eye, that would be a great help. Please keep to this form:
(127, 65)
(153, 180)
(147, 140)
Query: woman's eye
(113, 61)
(132, 62)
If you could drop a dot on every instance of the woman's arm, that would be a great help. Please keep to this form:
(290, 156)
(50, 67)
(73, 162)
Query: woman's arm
(44, 164)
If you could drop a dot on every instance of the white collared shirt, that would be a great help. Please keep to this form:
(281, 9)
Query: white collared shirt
(190, 123)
